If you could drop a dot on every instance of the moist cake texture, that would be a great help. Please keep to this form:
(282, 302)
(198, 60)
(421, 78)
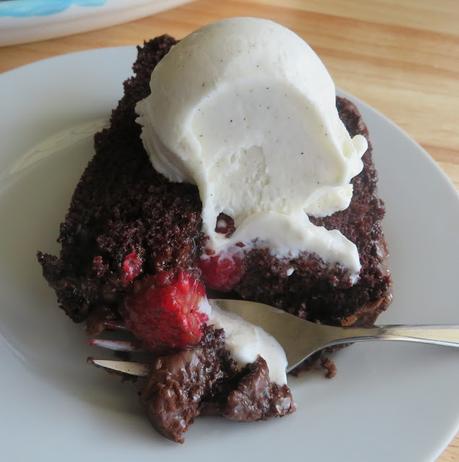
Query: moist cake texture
(127, 221)
(205, 380)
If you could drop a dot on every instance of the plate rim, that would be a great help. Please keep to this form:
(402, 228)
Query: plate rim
(432, 163)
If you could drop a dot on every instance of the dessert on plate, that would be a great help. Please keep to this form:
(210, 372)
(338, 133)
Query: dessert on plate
(229, 168)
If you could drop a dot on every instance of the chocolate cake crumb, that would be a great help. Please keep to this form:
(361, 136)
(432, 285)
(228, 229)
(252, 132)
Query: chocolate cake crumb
(329, 366)
(256, 398)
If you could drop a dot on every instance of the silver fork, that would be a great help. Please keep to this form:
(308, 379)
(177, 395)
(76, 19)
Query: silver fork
(300, 339)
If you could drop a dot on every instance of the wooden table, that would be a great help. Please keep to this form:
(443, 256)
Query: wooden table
(400, 56)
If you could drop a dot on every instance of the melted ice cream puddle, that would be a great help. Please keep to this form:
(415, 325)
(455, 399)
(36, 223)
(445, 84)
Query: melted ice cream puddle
(245, 341)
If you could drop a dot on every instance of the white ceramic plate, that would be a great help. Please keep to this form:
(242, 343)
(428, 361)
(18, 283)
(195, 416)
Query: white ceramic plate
(30, 20)
(389, 402)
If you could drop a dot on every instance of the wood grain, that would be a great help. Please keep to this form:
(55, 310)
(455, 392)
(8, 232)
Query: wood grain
(400, 56)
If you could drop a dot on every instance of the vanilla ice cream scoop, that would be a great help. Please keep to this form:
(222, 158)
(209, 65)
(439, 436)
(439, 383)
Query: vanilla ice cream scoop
(245, 109)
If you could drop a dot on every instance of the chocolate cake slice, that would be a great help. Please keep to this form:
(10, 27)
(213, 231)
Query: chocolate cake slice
(127, 222)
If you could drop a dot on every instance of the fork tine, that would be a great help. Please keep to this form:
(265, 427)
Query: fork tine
(124, 367)
(113, 325)
(114, 345)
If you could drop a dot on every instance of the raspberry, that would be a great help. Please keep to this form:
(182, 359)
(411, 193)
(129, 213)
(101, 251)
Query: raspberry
(221, 272)
(164, 311)
(132, 267)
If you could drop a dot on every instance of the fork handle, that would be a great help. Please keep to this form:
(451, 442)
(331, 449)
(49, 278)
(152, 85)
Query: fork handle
(446, 335)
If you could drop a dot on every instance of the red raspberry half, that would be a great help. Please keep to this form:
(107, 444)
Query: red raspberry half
(132, 267)
(221, 272)
(164, 311)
